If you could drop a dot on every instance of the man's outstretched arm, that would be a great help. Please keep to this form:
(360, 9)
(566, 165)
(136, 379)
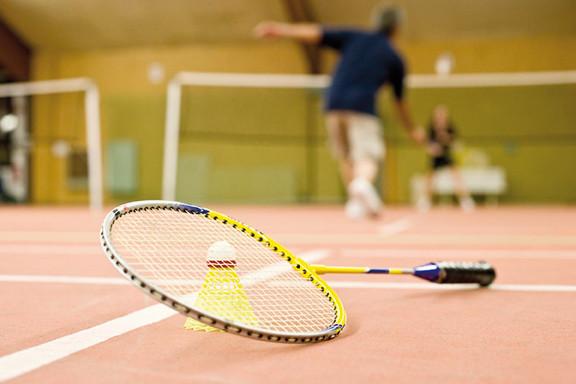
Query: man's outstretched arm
(303, 32)
(398, 74)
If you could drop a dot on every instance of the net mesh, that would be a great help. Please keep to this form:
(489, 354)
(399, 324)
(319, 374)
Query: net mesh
(222, 130)
(169, 249)
(269, 144)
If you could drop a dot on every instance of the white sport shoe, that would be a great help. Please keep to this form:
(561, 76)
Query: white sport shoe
(467, 204)
(355, 209)
(364, 192)
(423, 204)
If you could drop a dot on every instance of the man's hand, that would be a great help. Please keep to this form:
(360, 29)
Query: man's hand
(268, 30)
(418, 135)
(434, 149)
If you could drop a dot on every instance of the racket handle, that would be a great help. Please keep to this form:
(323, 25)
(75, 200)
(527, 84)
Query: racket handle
(457, 272)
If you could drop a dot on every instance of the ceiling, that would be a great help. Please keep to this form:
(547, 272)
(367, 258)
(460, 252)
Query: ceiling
(80, 24)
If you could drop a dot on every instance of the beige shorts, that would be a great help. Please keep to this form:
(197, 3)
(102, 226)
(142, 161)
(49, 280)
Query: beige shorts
(355, 136)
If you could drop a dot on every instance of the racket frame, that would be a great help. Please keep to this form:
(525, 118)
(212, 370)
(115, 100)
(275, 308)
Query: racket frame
(165, 298)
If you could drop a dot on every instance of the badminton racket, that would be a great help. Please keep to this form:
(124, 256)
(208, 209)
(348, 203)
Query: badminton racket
(228, 276)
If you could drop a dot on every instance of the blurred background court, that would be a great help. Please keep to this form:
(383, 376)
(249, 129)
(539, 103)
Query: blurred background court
(91, 92)
(234, 141)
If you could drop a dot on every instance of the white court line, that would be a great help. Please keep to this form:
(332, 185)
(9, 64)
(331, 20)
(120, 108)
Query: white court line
(27, 360)
(459, 253)
(395, 227)
(334, 284)
(50, 249)
(62, 279)
(24, 361)
(431, 286)
(253, 278)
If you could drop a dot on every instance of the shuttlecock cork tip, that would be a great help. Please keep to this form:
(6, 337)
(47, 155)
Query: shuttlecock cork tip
(221, 254)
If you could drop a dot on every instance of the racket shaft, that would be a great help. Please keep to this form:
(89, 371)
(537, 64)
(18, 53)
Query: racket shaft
(442, 272)
(322, 269)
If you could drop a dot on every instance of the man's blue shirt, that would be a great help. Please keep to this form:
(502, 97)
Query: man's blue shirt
(368, 61)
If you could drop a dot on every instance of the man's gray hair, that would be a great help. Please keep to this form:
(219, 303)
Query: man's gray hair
(386, 19)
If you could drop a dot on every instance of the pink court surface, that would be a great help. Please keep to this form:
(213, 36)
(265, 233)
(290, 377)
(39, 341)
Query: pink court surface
(68, 316)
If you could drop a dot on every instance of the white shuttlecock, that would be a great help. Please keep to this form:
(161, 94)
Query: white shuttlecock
(222, 293)
(221, 253)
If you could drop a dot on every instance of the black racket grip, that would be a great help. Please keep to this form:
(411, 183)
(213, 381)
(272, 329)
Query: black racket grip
(459, 272)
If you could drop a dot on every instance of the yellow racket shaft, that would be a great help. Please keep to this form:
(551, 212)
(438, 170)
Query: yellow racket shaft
(323, 269)
(442, 272)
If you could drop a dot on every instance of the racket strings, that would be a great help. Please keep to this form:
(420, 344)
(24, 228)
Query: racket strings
(169, 248)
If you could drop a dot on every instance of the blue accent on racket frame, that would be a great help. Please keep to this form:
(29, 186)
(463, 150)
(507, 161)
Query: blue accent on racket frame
(194, 209)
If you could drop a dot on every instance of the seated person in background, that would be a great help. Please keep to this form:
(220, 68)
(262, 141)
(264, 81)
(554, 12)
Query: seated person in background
(441, 137)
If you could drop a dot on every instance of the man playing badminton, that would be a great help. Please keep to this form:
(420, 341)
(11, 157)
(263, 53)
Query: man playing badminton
(368, 61)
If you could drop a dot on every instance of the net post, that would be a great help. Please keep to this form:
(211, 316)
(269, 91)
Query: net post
(94, 147)
(21, 152)
(311, 161)
(173, 101)
(92, 115)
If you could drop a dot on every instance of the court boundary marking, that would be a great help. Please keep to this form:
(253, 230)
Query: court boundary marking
(26, 360)
(94, 280)
(568, 253)
(395, 227)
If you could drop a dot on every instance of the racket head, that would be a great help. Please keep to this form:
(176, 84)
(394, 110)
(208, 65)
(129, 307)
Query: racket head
(154, 269)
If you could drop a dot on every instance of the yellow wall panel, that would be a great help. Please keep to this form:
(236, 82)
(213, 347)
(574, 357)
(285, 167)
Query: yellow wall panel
(133, 109)
(137, 105)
